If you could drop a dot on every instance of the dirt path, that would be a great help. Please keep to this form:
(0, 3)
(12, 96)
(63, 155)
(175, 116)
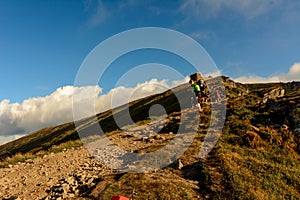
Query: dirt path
(31, 179)
(73, 174)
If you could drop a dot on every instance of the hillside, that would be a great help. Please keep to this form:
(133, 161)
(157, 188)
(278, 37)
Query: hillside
(256, 156)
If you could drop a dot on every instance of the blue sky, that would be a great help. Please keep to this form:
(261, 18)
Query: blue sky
(43, 44)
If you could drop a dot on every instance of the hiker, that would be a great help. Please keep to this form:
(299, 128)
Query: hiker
(197, 91)
(218, 96)
(203, 92)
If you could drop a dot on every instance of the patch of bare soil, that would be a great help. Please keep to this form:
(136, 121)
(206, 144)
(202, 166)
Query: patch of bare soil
(38, 178)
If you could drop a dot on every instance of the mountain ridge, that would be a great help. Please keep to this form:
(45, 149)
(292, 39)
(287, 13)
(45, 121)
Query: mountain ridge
(256, 156)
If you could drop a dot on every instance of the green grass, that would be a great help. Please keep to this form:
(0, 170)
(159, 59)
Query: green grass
(149, 186)
(261, 174)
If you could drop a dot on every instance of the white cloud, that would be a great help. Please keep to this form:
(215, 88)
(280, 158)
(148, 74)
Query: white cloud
(292, 75)
(247, 8)
(39, 112)
(179, 82)
(6, 139)
(36, 113)
(99, 13)
(204, 35)
(213, 74)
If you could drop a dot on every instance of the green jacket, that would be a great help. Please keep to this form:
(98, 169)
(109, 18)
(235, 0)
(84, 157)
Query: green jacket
(196, 87)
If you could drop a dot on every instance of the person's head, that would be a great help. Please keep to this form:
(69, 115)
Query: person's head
(191, 82)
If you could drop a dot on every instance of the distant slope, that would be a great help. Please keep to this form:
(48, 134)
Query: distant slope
(45, 138)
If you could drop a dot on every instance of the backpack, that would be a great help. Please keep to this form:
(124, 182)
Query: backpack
(202, 84)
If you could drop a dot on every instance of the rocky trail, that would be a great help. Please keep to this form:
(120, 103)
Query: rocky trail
(55, 176)
(74, 173)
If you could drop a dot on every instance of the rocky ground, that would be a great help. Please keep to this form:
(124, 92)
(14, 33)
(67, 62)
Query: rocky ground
(62, 175)
(74, 173)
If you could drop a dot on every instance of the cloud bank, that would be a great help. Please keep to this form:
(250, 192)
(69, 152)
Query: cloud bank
(18, 119)
(292, 75)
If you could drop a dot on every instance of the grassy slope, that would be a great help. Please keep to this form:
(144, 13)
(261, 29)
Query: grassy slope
(254, 158)
(260, 160)
(45, 139)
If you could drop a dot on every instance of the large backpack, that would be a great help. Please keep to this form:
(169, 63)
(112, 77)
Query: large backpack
(196, 76)
(202, 84)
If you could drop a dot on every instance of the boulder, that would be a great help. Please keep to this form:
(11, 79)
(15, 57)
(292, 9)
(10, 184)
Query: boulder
(295, 85)
(178, 165)
(273, 94)
(284, 126)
